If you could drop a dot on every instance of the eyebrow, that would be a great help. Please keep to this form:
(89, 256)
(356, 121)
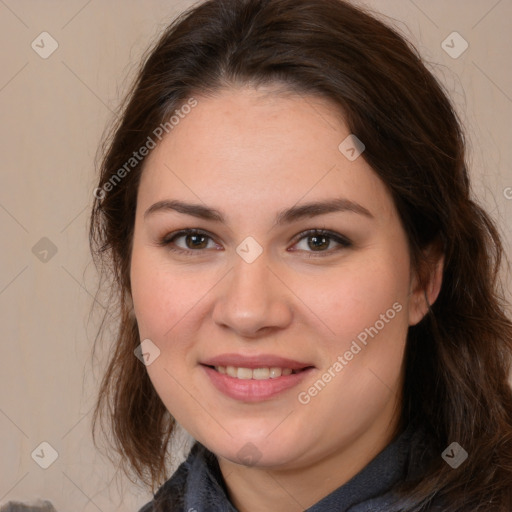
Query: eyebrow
(286, 216)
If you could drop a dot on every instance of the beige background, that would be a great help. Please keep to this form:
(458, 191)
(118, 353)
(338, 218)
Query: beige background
(54, 112)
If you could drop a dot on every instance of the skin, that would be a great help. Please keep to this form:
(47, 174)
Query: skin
(251, 153)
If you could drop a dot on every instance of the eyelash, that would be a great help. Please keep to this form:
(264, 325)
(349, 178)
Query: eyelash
(336, 237)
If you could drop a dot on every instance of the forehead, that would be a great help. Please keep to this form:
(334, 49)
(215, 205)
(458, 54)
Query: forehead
(259, 149)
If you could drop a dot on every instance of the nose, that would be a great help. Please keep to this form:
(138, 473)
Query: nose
(253, 300)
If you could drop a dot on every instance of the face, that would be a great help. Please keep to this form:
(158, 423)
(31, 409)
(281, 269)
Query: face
(281, 319)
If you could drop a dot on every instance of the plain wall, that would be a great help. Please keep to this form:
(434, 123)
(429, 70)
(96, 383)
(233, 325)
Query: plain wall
(54, 112)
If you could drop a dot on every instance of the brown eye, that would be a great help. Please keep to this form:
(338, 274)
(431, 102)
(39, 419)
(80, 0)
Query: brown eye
(193, 241)
(321, 241)
(318, 242)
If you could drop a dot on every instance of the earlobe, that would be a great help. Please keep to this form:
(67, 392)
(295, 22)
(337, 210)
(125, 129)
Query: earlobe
(425, 289)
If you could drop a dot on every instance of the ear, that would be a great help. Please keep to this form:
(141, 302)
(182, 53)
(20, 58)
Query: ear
(426, 284)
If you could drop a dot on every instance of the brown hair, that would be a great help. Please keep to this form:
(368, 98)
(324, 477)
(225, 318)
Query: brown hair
(458, 357)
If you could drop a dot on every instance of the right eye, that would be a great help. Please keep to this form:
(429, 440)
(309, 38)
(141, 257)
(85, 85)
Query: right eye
(195, 240)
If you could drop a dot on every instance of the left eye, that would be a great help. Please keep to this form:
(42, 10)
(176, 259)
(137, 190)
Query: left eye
(319, 240)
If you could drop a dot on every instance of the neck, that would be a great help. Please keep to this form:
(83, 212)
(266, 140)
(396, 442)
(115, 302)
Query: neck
(296, 488)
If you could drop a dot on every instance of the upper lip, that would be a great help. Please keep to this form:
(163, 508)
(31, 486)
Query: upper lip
(259, 361)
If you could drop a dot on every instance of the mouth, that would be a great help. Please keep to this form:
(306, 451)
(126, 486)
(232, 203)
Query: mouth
(254, 379)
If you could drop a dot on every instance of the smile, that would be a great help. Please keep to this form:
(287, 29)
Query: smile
(254, 373)
(254, 384)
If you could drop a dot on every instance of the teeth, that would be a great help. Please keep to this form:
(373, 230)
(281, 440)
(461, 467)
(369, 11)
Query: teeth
(257, 373)
(261, 373)
(244, 373)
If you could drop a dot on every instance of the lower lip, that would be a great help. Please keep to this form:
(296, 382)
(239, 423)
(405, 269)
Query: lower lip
(253, 390)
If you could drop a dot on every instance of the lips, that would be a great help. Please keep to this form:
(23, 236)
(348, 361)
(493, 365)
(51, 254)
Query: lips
(254, 378)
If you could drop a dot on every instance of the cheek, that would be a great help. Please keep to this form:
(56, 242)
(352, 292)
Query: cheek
(162, 296)
(365, 305)
(353, 297)
(164, 302)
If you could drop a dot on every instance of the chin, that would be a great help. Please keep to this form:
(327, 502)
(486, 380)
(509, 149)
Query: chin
(256, 451)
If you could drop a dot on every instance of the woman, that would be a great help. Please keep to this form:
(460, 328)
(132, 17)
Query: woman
(308, 285)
